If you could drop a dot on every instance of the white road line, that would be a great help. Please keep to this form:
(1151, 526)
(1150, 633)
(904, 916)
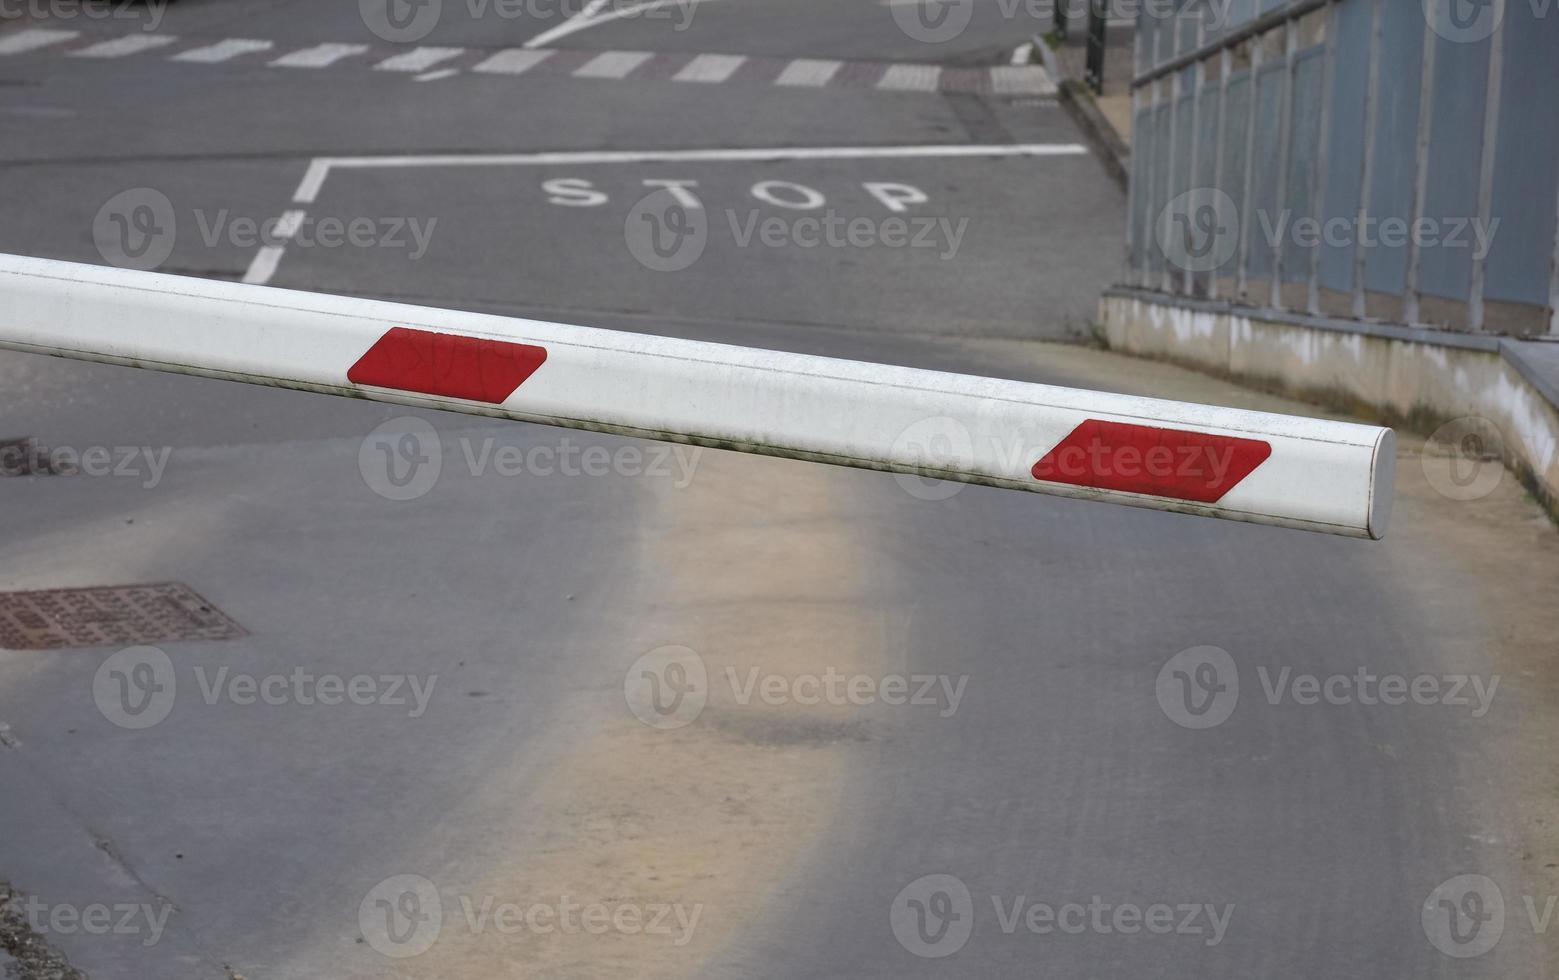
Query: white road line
(313, 180)
(129, 44)
(264, 264)
(512, 61)
(584, 17)
(418, 59)
(319, 56)
(288, 224)
(320, 167)
(226, 50)
(1022, 54)
(710, 68)
(811, 72)
(612, 64)
(433, 76)
(910, 78)
(1022, 80)
(589, 17)
(33, 39)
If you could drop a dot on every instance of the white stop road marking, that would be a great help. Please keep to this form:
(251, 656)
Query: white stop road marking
(581, 192)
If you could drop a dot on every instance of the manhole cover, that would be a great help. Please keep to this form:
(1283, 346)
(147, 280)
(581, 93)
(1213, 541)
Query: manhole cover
(124, 615)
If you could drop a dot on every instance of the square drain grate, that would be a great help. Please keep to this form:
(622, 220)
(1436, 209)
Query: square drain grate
(122, 615)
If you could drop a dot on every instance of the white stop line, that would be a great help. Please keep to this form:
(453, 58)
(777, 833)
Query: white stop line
(320, 167)
(1219, 462)
(266, 262)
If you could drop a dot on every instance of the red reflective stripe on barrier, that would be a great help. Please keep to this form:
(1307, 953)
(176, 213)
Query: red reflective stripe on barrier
(473, 368)
(1142, 459)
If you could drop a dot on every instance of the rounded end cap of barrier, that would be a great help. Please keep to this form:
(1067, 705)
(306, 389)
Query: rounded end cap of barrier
(1383, 483)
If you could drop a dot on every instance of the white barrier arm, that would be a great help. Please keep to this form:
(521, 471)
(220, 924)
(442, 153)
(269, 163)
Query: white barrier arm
(1219, 462)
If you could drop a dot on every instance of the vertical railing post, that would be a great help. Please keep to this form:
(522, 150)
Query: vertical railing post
(1367, 167)
(1139, 61)
(1198, 79)
(1149, 173)
(1175, 86)
(1285, 158)
(1410, 295)
(1486, 163)
(1093, 70)
(1247, 193)
(1553, 283)
(1225, 65)
(1133, 178)
(1322, 155)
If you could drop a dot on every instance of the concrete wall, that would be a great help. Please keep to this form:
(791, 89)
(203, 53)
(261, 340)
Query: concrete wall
(1421, 379)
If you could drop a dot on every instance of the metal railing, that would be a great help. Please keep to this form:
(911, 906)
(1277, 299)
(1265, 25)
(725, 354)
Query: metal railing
(1098, 22)
(1375, 159)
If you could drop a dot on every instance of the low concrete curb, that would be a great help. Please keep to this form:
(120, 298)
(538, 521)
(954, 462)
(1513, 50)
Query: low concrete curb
(1078, 102)
(1416, 379)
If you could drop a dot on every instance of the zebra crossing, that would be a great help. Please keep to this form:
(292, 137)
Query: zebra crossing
(225, 50)
(319, 56)
(432, 62)
(120, 47)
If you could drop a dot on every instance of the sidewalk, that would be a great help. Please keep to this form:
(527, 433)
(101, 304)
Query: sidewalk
(1104, 116)
(1115, 101)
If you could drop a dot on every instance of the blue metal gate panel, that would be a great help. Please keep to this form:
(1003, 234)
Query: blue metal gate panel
(1526, 163)
(1345, 147)
(1396, 132)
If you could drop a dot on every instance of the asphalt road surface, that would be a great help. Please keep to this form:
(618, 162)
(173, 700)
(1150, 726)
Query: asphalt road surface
(516, 701)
